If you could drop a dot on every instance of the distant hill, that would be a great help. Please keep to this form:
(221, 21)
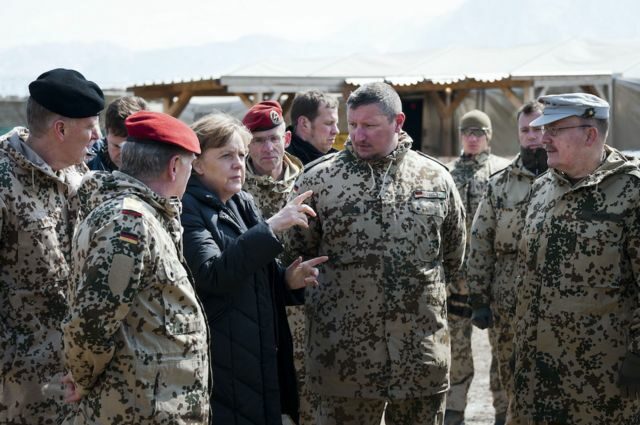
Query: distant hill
(484, 23)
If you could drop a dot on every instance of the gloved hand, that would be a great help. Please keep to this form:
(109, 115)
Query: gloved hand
(482, 318)
(629, 377)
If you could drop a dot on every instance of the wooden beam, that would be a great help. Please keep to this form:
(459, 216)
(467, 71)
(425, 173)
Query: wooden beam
(286, 105)
(459, 97)
(513, 98)
(178, 106)
(245, 99)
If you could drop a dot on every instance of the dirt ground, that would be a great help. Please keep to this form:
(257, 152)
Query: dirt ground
(479, 408)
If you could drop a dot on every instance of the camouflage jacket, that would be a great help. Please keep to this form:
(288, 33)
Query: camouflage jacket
(470, 174)
(394, 231)
(135, 338)
(36, 225)
(491, 264)
(271, 195)
(577, 310)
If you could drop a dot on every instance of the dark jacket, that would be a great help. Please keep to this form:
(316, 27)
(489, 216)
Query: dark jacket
(304, 150)
(231, 252)
(101, 161)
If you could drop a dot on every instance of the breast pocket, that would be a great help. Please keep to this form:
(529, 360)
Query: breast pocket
(39, 250)
(423, 227)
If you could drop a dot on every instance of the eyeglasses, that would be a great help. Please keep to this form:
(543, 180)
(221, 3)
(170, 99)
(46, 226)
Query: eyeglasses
(553, 131)
(477, 132)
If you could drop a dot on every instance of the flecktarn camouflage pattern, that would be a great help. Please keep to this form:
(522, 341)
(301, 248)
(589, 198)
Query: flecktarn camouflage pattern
(36, 225)
(393, 229)
(578, 309)
(135, 339)
(492, 265)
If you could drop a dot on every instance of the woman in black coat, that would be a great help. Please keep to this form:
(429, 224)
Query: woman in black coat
(232, 252)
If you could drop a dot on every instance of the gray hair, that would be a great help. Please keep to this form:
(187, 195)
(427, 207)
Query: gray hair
(377, 93)
(147, 160)
(39, 118)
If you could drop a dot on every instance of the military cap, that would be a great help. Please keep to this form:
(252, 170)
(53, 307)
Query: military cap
(475, 119)
(148, 126)
(263, 116)
(560, 106)
(66, 92)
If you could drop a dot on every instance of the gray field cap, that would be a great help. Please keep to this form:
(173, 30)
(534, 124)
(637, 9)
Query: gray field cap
(560, 106)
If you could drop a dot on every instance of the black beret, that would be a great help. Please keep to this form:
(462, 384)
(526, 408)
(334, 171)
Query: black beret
(68, 93)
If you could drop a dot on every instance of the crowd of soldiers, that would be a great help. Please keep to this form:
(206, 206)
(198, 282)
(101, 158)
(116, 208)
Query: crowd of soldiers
(109, 316)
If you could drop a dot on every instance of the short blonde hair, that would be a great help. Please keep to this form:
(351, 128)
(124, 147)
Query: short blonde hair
(215, 130)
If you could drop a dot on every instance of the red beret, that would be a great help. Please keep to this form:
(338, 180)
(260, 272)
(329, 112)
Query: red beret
(163, 128)
(263, 116)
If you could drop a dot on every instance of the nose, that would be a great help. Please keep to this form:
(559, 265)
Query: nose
(334, 129)
(358, 134)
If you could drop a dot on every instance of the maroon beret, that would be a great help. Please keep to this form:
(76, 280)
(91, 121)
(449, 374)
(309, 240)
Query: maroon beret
(163, 128)
(263, 116)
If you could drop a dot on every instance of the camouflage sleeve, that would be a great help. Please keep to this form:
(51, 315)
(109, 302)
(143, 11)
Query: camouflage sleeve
(453, 234)
(632, 250)
(299, 241)
(482, 256)
(107, 277)
(7, 337)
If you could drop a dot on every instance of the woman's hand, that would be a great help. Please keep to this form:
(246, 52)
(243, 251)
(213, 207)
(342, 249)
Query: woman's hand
(293, 214)
(301, 274)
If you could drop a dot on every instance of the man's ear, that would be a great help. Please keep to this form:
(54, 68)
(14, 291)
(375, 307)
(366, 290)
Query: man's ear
(592, 136)
(303, 122)
(399, 121)
(59, 129)
(172, 168)
(287, 139)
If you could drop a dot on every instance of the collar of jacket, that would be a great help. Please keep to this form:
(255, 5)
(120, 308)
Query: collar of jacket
(614, 163)
(304, 150)
(479, 159)
(292, 169)
(404, 145)
(518, 169)
(99, 187)
(15, 145)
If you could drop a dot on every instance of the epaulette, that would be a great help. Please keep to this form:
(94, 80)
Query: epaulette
(317, 161)
(432, 159)
(133, 207)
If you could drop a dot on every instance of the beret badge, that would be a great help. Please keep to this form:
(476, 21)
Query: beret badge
(275, 117)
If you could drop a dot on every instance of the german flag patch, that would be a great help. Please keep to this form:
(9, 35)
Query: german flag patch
(129, 238)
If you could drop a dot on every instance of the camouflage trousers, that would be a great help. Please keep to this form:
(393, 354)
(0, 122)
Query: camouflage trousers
(359, 411)
(308, 399)
(501, 338)
(462, 370)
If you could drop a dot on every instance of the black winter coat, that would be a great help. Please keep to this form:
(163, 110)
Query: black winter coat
(304, 150)
(231, 252)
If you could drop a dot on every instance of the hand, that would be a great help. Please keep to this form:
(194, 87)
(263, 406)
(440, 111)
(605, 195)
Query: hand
(482, 318)
(302, 274)
(629, 377)
(71, 393)
(293, 214)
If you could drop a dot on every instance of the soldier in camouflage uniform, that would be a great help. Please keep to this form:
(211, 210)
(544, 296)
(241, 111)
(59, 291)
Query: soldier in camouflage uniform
(577, 340)
(39, 169)
(470, 172)
(135, 338)
(491, 265)
(392, 224)
(270, 176)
